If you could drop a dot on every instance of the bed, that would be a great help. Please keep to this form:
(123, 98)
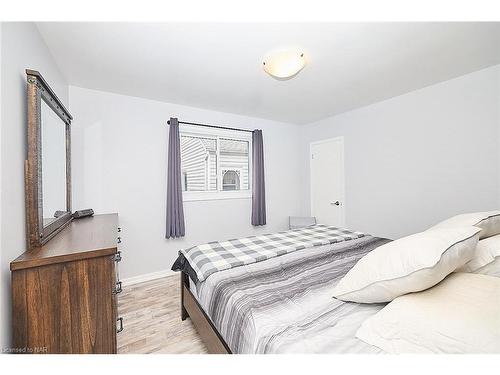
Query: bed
(282, 304)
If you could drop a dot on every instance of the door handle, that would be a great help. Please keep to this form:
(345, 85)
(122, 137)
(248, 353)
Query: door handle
(337, 203)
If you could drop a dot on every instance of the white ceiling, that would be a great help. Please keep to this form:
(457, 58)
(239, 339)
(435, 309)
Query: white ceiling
(218, 66)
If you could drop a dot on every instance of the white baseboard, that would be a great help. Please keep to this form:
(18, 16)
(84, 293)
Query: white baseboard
(146, 277)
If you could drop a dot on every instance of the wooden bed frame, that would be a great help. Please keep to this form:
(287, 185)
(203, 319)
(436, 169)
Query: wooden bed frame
(206, 329)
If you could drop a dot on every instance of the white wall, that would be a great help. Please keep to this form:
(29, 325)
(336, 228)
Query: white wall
(418, 158)
(119, 161)
(22, 47)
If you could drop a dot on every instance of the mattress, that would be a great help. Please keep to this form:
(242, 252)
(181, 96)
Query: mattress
(285, 304)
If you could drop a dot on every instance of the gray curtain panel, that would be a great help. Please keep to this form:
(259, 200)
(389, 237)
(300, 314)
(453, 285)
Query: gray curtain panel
(258, 185)
(175, 211)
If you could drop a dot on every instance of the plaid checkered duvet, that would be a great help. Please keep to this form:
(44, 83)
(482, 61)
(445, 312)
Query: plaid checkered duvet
(212, 257)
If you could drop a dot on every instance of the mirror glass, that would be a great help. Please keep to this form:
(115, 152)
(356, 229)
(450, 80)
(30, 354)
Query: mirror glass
(53, 164)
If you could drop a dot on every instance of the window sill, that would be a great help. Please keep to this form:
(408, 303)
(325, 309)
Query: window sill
(193, 196)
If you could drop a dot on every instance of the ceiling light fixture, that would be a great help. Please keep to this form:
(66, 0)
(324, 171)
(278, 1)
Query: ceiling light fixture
(284, 64)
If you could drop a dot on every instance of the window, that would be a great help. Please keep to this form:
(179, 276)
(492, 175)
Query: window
(215, 163)
(230, 180)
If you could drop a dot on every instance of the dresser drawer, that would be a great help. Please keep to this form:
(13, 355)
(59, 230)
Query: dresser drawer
(65, 307)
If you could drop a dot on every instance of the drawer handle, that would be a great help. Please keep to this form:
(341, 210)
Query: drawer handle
(118, 256)
(119, 240)
(118, 288)
(120, 325)
(119, 229)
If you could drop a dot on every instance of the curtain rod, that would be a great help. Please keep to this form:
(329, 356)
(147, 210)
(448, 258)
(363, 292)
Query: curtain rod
(212, 126)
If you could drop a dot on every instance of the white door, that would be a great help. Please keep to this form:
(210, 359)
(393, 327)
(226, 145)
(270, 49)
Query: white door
(327, 181)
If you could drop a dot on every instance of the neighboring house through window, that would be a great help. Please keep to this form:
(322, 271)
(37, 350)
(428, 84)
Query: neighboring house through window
(215, 163)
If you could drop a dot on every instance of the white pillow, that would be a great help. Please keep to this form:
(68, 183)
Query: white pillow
(410, 264)
(459, 315)
(489, 222)
(486, 258)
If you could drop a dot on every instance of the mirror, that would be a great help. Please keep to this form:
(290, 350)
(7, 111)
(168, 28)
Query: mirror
(53, 132)
(48, 167)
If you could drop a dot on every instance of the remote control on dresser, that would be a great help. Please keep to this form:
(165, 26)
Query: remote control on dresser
(83, 213)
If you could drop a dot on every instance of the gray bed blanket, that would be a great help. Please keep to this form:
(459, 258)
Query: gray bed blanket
(285, 304)
(203, 260)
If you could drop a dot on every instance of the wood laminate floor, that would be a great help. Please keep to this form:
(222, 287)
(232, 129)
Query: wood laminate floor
(151, 320)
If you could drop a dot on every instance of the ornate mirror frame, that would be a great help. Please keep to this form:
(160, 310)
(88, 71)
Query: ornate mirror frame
(38, 90)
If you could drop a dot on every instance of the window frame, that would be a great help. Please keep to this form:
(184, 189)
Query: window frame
(199, 131)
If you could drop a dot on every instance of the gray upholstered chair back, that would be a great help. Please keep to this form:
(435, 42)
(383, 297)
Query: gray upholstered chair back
(295, 222)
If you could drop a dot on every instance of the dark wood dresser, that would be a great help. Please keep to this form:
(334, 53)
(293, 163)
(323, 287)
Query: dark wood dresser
(64, 293)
